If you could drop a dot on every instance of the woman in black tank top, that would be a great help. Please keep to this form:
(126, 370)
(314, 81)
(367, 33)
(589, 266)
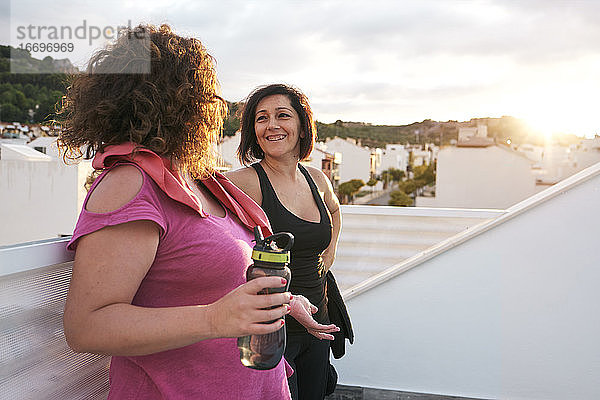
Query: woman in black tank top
(311, 239)
(278, 129)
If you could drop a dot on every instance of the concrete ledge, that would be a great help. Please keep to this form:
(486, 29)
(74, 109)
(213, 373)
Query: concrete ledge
(422, 211)
(31, 255)
(343, 392)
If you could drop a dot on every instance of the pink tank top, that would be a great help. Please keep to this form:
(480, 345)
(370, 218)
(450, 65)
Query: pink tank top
(198, 260)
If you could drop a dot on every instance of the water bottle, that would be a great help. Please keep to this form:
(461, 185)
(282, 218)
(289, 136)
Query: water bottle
(265, 351)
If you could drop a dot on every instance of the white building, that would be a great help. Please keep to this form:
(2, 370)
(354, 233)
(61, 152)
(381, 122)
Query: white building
(422, 157)
(227, 149)
(585, 158)
(327, 162)
(467, 133)
(554, 163)
(394, 156)
(533, 152)
(357, 162)
(13, 151)
(422, 154)
(589, 144)
(40, 196)
(46, 145)
(489, 176)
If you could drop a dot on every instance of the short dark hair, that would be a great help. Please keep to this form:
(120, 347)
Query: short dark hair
(174, 110)
(249, 150)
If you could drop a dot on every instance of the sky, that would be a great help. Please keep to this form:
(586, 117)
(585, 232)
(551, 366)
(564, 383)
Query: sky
(381, 62)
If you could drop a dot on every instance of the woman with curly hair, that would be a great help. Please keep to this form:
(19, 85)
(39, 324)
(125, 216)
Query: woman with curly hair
(162, 242)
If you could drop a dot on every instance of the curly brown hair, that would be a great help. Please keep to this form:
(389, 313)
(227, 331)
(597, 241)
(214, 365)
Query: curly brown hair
(172, 109)
(249, 150)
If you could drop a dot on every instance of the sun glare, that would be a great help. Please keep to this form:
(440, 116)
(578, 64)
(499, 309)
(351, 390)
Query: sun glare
(549, 123)
(559, 113)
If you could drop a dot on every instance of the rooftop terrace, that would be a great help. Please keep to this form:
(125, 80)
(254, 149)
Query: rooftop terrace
(468, 304)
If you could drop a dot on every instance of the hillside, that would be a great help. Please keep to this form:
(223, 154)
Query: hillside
(31, 96)
(429, 131)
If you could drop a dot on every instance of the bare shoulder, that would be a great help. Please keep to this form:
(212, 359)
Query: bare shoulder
(320, 178)
(117, 188)
(324, 185)
(243, 177)
(246, 179)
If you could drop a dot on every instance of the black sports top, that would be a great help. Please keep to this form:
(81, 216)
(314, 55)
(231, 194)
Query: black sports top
(310, 240)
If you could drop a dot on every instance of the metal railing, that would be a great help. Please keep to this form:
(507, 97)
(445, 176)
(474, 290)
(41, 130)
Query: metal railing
(35, 361)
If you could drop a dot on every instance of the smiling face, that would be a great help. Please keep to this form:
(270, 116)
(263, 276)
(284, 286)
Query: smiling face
(277, 127)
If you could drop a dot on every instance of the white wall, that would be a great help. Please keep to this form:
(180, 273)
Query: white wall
(394, 156)
(489, 177)
(315, 158)
(12, 151)
(584, 159)
(421, 157)
(39, 200)
(556, 163)
(534, 153)
(563, 163)
(466, 133)
(510, 314)
(590, 144)
(356, 160)
(47, 142)
(228, 150)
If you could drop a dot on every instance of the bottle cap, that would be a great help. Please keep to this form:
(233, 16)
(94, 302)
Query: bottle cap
(266, 249)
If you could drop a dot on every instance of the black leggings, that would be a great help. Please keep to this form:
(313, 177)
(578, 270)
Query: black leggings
(309, 357)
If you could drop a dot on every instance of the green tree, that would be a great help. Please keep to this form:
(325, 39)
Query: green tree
(419, 170)
(232, 122)
(30, 90)
(347, 190)
(10, 113)
(408, 186)
(396, 174)
(371, 183)
(425, 173)
(399, 198)
(385, 177)
(391, 175)
(35, 91)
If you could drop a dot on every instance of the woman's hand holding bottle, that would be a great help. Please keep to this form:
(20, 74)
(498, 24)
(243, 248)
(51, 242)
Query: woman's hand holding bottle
(244, 312)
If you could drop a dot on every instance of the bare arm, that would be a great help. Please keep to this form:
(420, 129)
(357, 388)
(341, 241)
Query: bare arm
(109, 266)
(333, 206)
(330, 251)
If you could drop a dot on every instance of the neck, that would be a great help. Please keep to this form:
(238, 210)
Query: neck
(285, 166)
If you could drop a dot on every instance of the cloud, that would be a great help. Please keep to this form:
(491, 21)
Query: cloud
(381, 60)
(527, 31)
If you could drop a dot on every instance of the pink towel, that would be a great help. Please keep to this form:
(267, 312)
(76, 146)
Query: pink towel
(171, 182)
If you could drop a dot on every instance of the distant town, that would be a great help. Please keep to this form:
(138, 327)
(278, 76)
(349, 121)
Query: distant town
(472, 171)
(483, 163)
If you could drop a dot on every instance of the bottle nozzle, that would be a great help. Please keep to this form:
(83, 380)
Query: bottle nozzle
(258, 236)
